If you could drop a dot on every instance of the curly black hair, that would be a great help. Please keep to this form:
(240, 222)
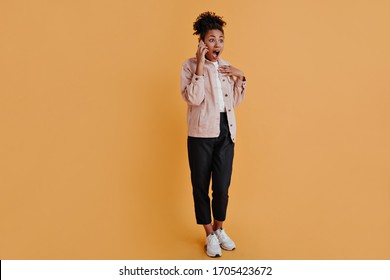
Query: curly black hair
(207, 21)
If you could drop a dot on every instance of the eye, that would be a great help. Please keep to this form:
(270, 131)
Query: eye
(221, 40)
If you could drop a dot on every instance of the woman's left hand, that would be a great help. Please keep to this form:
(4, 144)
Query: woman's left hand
(231, 71)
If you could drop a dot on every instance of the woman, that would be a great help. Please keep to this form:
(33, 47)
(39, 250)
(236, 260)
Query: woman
(212, 89)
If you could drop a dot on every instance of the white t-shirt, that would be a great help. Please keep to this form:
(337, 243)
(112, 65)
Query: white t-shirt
(219, 88)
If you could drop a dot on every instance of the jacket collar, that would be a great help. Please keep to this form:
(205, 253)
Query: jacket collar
(220, 61)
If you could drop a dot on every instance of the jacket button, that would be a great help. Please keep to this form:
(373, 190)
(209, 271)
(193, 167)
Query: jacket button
(223, 80)
(196, 79)
(229, 110)
(231, 125)
(226, 95)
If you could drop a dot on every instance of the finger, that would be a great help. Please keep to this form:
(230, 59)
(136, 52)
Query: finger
(226, 73)
(201, 49)
(224, 68)
(202, 45)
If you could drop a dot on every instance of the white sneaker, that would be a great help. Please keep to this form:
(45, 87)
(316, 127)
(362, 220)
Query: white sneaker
(225, 241)
(212, 246)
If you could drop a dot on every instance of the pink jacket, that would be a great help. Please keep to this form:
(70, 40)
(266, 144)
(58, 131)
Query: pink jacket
(201, 95)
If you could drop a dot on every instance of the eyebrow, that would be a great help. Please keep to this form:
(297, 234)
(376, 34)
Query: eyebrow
(214, 36)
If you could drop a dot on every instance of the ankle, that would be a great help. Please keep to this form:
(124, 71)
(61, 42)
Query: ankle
(208, 229)
(217, 225)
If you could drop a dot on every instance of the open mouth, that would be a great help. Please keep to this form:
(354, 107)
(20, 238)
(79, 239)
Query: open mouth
(216, 54)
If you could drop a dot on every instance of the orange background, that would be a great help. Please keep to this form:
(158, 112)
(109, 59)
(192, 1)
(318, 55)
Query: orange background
(93, 161)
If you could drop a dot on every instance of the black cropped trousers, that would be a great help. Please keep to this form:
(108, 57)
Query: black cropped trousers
(211, 159)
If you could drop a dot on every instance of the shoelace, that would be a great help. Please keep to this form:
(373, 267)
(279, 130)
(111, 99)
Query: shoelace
(213, 240)
(223, 236)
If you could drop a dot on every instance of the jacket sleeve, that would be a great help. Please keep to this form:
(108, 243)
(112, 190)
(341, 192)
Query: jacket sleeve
(239, 91)
(192, 86)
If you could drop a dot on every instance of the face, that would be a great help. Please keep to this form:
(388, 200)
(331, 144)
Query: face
(214, 41)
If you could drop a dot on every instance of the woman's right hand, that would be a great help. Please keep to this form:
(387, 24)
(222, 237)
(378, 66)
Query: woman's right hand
(201, 52)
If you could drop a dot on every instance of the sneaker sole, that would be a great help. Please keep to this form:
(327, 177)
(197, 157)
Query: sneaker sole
(212, 256)
(227, 249)
(216, 256)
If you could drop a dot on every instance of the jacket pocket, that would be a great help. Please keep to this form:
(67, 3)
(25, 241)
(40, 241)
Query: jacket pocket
(201, 119)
